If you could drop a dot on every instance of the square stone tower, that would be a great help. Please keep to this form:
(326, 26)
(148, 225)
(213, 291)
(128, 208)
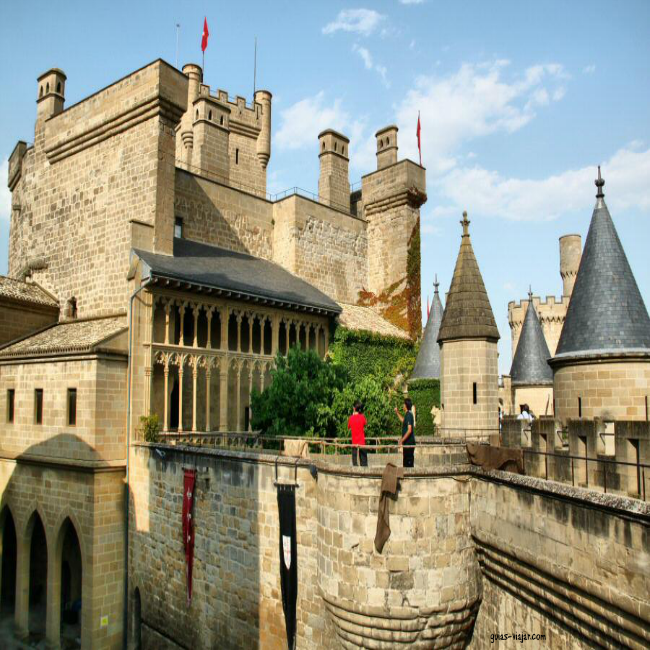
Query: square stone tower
(334, 181)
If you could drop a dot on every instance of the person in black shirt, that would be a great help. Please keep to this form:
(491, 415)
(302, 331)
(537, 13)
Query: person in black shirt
(407, 441)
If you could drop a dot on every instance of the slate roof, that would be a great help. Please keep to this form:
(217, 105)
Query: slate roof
(530, 363)
(355, 317)
(427, 364)
(606, 313)
(468, 313)
(25, 292)
(72, 336)
(240, 275)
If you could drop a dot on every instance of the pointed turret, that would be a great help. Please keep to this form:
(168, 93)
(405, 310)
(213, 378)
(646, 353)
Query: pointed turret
(601, 368)
(530, 364)
(468, 313)
(427, 365)
(468, 350)
(606, 312)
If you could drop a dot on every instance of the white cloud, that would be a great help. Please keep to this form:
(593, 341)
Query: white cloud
(370, 65)
(411, 2)
(589, 69)
(477, 100)
(490, 194)
(360, 21)
(5, 194)
(301, 123)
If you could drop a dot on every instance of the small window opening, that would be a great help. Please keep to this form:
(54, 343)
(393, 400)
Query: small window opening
(47, 87)
(58, 87)
(236, 156)
(72, 308)
(221, 120)
(387, 141)
(646, 408)
(178, 227)
(381, 144)
(579, 407)
(41, 93)
(11, 401)
(335, 146)
(72, 407)
(343, 150)
(197, 113)
(323, 142)
(38, 406)
(210, 115)
(474, 396)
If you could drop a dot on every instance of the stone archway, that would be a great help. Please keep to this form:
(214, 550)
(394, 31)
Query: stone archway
(8, 550)
(71, 588)
(37, 614)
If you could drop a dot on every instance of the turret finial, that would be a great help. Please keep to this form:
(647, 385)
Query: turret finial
(436, 284)
(465, 224)
(599, 184)
(530, 293)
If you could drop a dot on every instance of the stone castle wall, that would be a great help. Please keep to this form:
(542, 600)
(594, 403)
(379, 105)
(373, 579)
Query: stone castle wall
(527, 555)
(94, 167)
(19, 320)
(101, 404)
(538, 398)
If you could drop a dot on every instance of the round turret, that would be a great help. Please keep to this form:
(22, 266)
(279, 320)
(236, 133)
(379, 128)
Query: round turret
(195, 75)
(570, 253)
(263, 97)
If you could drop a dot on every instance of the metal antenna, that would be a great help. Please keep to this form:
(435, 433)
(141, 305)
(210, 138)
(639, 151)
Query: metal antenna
(178, 29)
(255, 71)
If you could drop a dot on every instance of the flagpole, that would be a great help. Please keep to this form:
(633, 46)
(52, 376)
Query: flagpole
(419, 147)
(178, 27)
(255, 71)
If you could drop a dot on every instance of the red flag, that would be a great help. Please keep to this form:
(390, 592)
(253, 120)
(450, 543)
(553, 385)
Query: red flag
(418, 134)
(428, 309)
(206, 33)
(188, 526)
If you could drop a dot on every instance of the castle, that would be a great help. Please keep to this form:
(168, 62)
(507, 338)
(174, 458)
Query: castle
(151, 273)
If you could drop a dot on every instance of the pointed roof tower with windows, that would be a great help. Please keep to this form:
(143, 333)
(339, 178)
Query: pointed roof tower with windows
(427, 365)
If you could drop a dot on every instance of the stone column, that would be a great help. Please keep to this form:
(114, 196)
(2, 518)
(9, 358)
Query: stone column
(208, 343)
(250, 392)
(21, 614)
(223, 396)
(167, 322)
(287, 328)
(275, 334)
(239, 319)
(53, 600)
(224, 317)
(238, 422)
(208, 374)
(195, 372)
(195, 310)
(148, 387)
(327, 337)
(180, 397)
(181, 312)
(166, 409)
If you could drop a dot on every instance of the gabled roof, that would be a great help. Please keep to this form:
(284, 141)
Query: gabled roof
(72, 336)
(427, 364)
(27, 292)
(244, 277)
(606, 313)
(530, 364)
(355, 317)
(468, 314)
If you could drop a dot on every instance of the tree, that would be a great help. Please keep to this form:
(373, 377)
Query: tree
(302, 386)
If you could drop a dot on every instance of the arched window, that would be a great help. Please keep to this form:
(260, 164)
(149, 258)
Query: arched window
(47, 87)
(221, 120)
(343, 150)
(323, 143)
(210, 115)
(58, 87)
(381, 143)
(72, 308)
(41, 93)
(335, 146)
(197, 113)
(387, 141)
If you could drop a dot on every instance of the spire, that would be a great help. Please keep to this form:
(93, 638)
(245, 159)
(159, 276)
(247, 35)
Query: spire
(468, 313)
(600, 182)
(530, 363)
(606, 311)
(427, 364)
(436, 284)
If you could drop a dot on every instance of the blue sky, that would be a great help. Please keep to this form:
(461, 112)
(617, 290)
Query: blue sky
(519, 103)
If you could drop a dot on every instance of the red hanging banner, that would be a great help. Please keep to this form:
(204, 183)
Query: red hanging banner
(188, 526)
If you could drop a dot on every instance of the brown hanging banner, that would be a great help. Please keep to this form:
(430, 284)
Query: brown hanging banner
(188, 527)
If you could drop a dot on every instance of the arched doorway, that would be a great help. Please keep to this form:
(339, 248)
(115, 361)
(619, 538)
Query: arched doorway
(9, 561)
(71, 587)
(37, 578)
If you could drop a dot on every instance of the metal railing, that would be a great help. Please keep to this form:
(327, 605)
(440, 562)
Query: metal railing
(640, 468)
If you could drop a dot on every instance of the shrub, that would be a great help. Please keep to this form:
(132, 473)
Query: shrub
(150, 427)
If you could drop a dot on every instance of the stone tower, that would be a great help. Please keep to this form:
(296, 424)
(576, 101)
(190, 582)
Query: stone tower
(602, 364)
(531, 376)
(386, 146)
(570, 253)
(427, 364)
(468, 349)
(334, 181)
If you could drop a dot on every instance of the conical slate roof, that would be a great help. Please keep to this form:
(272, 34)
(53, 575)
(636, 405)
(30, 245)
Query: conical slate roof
(530, 364)
(427, 365)
(606, 312)
(468, 313)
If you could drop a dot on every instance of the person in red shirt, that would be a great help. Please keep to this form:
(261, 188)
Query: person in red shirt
(357, 424)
